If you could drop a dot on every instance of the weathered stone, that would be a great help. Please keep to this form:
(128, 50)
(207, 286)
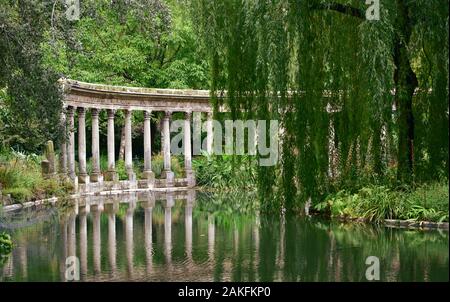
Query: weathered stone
(48, 165)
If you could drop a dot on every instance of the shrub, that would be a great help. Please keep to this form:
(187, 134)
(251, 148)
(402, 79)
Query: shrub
(19, 194)
(6, 246)
(226, 173)
(376, 203)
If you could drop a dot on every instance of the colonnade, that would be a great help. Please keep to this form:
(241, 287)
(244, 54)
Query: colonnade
(68, 160)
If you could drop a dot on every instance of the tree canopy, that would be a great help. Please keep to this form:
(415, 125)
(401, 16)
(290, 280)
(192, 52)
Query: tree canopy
(358, 100)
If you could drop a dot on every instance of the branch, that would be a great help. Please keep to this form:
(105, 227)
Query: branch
(340, 8)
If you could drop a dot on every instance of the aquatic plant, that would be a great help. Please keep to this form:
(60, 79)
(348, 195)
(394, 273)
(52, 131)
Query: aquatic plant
(6, 246)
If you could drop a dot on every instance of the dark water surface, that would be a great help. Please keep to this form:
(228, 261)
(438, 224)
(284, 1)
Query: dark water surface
(206, 238)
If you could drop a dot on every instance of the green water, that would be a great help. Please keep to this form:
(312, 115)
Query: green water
(213, 240)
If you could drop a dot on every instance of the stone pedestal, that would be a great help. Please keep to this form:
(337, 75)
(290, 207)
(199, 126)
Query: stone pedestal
(169, 176)
(190, 176)
(149, 178)
(112, 176)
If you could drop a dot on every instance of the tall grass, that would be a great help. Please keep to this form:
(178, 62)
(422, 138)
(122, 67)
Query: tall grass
(21, 178)
(225, 172)
(376, 203)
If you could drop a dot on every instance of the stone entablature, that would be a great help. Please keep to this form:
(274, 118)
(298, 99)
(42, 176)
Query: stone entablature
(99, 96)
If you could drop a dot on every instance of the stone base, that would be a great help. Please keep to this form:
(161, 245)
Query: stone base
(169, 176)
(148, 178)
(83, 179)
(96, 177)
(131, 176)
(190, 176)
(112, 176)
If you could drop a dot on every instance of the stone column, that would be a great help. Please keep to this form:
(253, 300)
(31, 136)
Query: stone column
(209, 133)
(111, 174)
(167, 173)
(148, 173)
(96, 172)
(71, 142)
(129, 146)
(63, 148)
(83, 178)
(188, 150)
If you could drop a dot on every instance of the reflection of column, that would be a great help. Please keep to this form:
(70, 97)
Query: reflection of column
(148, 174)
(83, 241)
(129, 238)
(209, 132)
(188, 229)
(211, 236)
(111, 174)
(83, 178)
(96, 172)
(236, 240)
(71, 142)
(168, 227)
(72, 233)
(128, 146)
(167, 173)
(8, 268)
(97, 241)
(111, 209)
(148, 208)
(64, 248)
(23, 257)
(282, 244)
(256, 241)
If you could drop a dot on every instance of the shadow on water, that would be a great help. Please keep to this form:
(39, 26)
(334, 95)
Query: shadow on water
(203, 237)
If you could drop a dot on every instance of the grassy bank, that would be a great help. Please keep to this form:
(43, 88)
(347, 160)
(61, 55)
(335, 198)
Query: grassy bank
(22, 181)
(21, 178)
(428, 202)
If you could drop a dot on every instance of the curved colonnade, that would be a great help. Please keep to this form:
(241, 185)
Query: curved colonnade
(80, 97)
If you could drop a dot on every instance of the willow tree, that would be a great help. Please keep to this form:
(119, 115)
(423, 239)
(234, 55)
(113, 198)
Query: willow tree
(356, 98)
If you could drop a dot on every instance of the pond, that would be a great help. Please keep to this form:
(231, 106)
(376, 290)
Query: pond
(203, 237)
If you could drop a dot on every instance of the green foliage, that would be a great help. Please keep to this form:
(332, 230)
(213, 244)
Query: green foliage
(6, 246)
(226, 173)
(30, 98)
(137, 43)
(316, 67)
(20, 177)
(376, 203)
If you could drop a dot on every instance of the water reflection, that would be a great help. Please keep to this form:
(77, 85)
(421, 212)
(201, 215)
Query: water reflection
(179, 236)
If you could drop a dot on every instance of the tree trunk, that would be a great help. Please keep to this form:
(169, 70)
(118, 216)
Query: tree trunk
(405, 85)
